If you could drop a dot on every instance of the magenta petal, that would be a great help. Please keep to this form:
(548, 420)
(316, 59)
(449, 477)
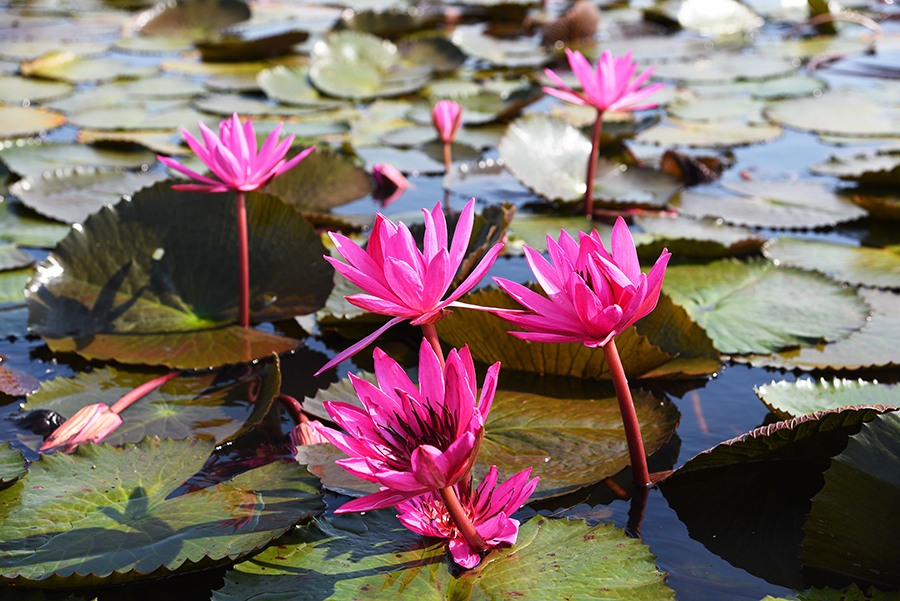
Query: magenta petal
(462, 553)
(352, 350)
(378, 500)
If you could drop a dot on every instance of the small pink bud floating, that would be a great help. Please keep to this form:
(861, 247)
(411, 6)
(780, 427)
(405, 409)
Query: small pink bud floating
(233, 157)
(488, 507)
(90, 424)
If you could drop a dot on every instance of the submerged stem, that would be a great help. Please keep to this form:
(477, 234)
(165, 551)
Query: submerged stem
(462, 521)
(592, 166)
(629, 417)
(140, 392)
(243, 262)
(431, 336)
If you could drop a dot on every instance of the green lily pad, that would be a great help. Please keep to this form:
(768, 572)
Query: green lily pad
(22, 226)
(410, 161)
(361, 66)
(879, 267)
(103, 516)
(194, 18)
(162, 142)
(772, 204)
(228, 104)
(806, 48)
(780, 87)
(713, 108)
(374, 554)
(879, 168)
(323, 180)
(498, 52)
(746, 499)
(26, 50)
(550, 157)
(872, 347)
(724, 68)
(136, 118)
(18, 121)
(158, 44)
(389, 22)
(12, 284)
(840, 112)
(146, 282)
(67, 67)
(15, 89)
(653, 48)
(39, 158)
(722, 134)
(793, 399)
(435, 50)
(292, 86)
(704, 238)
(860, 487)
(71, 195)
(755, 307)
(12, 465)
(249, 42)
(13, 257)
(218, 405)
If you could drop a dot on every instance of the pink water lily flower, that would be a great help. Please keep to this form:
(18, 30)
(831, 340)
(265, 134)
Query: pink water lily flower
(412, 440)
(612, 86)
(89, 424)
(593, 294)
(488, 507)
(447, 118)
(400, 280)
(232, 157)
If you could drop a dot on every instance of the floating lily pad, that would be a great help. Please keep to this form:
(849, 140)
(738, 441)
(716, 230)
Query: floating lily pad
(375, 554)
(15, 89)
(136, 118)
(219, 405)
(103, 516)
(13, 257)
(871, 347)
(292, 86)
(770, 89)
(409, 161)
(654, 48)
(23, 226)
(12, 284)
(26, 121)
(879, 267)
(881, 203)
(532, 230)
(37, 158)
(65, 66)
(251, 43)
(157, 44)
(755, 307)
(12, 465)
(722, 134)
(793, 399)
(806, 48)
(228, 104)
(860, 487)
(773, 204)
(725, 68)
(713, 108)
(323, 180)
(154, 280)
(704, 238)
(162, 142)
(872, 168)
(730, 18)
(390, 22)
(362, 66)
(498, 52)
(194, 18)
(840, 112)
(26, 50)
(71, 195)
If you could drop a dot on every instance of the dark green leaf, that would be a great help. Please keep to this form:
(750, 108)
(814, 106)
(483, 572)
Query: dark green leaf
(323, 180)
(12, 465)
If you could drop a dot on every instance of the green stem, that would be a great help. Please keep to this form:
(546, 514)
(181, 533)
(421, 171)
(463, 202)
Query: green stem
(592, 166)
(243, 262)
(140, 392)
(629, 417)
(462, 521)
(431, 336)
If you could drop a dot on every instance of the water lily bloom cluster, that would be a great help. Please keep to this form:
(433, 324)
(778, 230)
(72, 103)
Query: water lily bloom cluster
(489, 508)
(447, 118)
(400, 280)
(592, 294)
(411, 440)
(232, 156)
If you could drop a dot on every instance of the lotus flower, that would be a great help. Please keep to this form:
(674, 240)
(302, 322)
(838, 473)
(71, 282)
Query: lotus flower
(400, 280)
(90, 424)
(489, 509)
(593, 294)
(232, 157)
(412, 440)
(447, 118)
(611, 87)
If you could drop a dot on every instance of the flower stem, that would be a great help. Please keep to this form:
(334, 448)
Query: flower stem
(462, 521)
(431, 336)
(629, 417)
(141, 391)
(447, 157)
(243, 262)
(592, 166)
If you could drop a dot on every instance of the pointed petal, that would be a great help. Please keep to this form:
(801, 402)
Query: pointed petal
(352, 350)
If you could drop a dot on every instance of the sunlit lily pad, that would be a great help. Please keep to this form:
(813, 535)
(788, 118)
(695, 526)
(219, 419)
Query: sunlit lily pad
(26, 50)
(780, 87)
(532, 230)
(860, 487)
(724, 68)
(409, 161)
(880, 168)
(13, 257)
(37, 158)
(878, 267)
(292, 86)
(191, 18)
(162, 142)
(168, 294)
(722, 134)
(228, 104)
(724, 19)
(872, 347)
(26, 121)
(21, 225)
(805, 48)
(136, 118)
(196, 67)
(12, 465)
(773, 204)
(755, 307)
(840, 112)
(15, 89)
(390, 22)
(103, 516)
(704, 238)
(654, 48)
(498, 52)
(323, 180)
(12, 284)
(793, 399)
(713, 108)
(157, 44)
(65, 66)
(362, 66)
(375, 554)
(71, 195)
(219, 405)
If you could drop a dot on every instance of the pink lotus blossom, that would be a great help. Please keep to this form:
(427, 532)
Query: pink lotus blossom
(488, 508)
(412, 440)
(447, 118)
(89, 424)
(593, 294)
(608, 88)
(400, 280)
(232, 157)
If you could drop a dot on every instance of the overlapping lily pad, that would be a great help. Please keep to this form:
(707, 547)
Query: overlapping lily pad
(103, 515)
(793, 399)
(878, 267)
(755, 307)
(25, 121)
(27, 159)
(880, 168)
(377, 558)
(65, 66)
(21, 225)
(16, 90)
(155, 280)
(841, 112)
(12, 465)
(191, 18)
(498, 52)
(705, 238)
(292, 86)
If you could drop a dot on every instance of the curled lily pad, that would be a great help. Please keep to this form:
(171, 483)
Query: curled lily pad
(105, 515)
(878, 267)
(25, 121)
(168, 294)
(755, 307)
(881, 203)
(793, 399)
(362, 66)
(390, 22)
(71, 195)
(840, 112)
